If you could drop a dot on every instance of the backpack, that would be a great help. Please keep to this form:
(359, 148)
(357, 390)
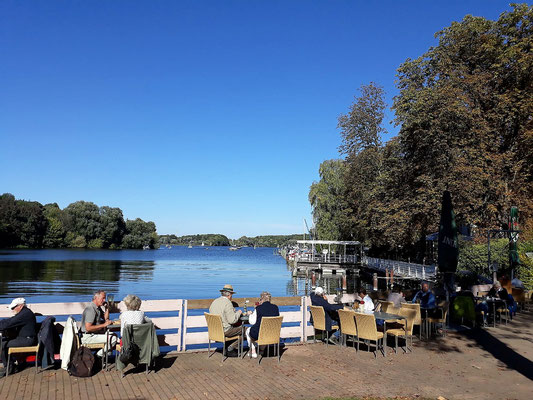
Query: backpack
(82, 363)
(130, 354)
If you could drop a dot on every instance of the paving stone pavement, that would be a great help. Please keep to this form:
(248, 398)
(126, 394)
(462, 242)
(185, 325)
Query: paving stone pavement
(495, 363)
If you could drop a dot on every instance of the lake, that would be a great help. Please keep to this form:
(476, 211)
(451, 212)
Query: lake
(65, 275)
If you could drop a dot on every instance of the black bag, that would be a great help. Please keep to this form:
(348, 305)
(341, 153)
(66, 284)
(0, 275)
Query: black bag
(82, 363)
(130, 354)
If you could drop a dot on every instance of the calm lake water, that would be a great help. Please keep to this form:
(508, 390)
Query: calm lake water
(179, 272)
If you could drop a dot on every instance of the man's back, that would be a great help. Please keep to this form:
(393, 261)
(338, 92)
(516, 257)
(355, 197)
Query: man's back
(24, 322)
(222, 306)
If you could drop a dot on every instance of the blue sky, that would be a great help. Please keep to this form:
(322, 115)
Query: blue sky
(202, 116)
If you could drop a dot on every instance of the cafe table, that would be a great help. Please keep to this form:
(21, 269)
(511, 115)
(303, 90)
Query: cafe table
(494, 302)
(379, 315)
(114, 326)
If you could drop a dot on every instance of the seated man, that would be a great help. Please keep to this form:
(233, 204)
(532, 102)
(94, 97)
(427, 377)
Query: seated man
(498, 291)
(367, 304)
(24, 325)
(94, 321)
(318, 298)
(427, 300)
(396, 297)
(230, 318)
(264, 309)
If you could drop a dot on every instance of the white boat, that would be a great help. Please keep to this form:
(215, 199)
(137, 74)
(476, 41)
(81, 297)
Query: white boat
(234, 248)
(146, 247)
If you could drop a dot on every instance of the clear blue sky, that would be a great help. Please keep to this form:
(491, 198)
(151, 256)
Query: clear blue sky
(202, 116)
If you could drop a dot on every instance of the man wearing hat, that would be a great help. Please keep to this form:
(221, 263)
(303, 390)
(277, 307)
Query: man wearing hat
(224, 307)
(25, 326)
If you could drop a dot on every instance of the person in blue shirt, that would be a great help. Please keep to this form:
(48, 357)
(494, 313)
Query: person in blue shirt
(264, 309)
(426, 297)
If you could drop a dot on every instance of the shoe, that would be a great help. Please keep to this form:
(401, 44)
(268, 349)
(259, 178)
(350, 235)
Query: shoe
(333, 340)
(253, 355)
(232, 353)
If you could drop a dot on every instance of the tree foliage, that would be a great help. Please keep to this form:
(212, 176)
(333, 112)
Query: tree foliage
(464, 111)
(80, 225)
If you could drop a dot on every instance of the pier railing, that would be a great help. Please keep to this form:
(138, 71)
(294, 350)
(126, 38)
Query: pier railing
(180, 323)
(401, 268)
(327, 258)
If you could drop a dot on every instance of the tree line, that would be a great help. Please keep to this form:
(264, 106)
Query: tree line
(464, 111)
(79, 225)
(216, 239)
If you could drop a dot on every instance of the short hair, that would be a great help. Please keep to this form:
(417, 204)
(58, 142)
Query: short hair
(98, 293)
(265, 296)
(133, 303)
(362, 291)
(396, 289)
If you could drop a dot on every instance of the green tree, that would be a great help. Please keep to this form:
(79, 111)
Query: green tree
(55, 232)
(328, 201)
(139, 234)
(83, 219)
(113, 226)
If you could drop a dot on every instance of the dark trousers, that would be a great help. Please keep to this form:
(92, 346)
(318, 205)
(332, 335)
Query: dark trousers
(17, 342)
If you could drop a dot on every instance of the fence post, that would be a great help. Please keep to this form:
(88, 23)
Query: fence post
(303, 309)
(184, 325)
(180, 323)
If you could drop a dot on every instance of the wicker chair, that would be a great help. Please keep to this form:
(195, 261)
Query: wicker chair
(216, 334)
(269, 333)
(319, 322)
(418, 316)
(22, 350)
(367, 331)
(348, 327)
(503, 311)
(405, 332)
(442, 320)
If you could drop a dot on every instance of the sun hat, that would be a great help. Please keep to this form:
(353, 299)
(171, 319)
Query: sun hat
(319, 290)
(227, 288)
(16, 302)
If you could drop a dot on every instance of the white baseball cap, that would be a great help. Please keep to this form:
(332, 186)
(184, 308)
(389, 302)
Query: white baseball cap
(16, 302)
(319, 290)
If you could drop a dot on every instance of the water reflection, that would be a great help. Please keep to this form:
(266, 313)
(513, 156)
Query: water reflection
(29, 277)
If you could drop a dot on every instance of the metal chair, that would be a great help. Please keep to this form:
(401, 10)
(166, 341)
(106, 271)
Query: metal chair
(269, 333)
(319, 322)
(216, 334)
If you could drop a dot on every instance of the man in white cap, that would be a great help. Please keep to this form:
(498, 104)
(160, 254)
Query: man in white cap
(224, 307)
(318, 298)
(24, 325)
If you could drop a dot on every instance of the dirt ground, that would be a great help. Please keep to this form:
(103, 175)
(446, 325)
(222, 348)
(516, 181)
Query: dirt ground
(495, 363)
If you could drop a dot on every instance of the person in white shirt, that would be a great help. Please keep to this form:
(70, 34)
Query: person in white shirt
(368, 304)
(133, 315)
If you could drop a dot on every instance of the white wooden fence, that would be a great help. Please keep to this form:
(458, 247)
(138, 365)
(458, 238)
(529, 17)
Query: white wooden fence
(187, 330)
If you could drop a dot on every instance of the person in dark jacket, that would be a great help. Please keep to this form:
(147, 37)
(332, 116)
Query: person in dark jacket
(24, 325)
(318, 298)
(264, 309)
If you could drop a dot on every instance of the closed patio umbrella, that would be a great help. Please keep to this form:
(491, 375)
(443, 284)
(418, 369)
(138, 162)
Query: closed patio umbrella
(448, 244)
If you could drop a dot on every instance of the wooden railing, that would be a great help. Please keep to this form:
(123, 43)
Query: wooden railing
(187, 322)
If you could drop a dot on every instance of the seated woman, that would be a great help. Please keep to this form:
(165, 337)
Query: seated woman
(133, 315)
(264, 309)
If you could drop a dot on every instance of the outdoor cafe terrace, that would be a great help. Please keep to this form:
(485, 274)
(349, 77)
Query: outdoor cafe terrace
(466, 363)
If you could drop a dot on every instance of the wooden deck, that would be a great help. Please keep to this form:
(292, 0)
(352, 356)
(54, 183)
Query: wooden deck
(492, 363)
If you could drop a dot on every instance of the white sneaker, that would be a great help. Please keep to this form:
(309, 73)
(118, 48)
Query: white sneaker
(253, 355)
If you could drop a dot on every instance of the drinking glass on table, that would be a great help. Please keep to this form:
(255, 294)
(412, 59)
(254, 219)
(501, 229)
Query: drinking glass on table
(111, 301)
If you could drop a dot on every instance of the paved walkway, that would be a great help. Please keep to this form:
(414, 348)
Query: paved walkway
(493, 363)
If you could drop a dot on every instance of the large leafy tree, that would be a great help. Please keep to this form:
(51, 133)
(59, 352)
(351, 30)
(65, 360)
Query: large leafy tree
(465, 109)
